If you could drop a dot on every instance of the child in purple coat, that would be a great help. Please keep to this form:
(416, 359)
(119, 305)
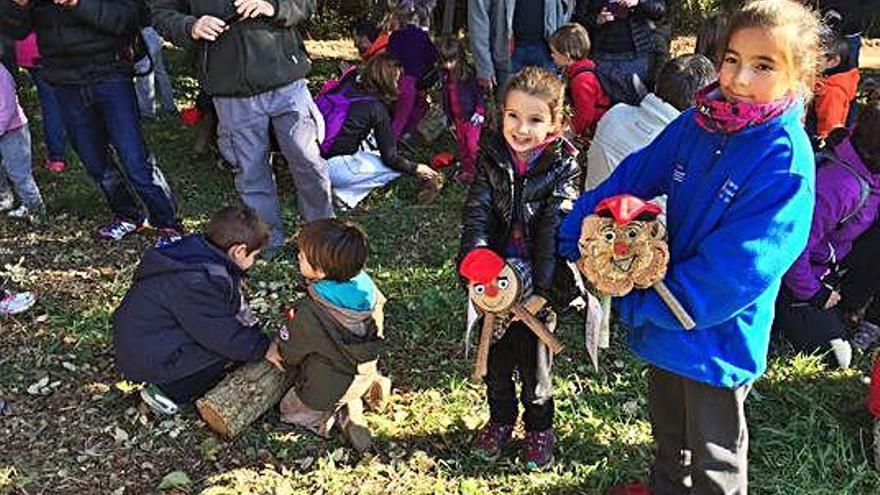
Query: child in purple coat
(831, 284)
(464, 104)
(415, 51)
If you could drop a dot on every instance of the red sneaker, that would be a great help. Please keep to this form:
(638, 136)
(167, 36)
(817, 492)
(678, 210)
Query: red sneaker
(56, 166)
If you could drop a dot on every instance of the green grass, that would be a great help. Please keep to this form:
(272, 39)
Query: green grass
(807, 434)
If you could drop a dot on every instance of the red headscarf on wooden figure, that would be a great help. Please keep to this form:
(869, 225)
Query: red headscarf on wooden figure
(623, 245)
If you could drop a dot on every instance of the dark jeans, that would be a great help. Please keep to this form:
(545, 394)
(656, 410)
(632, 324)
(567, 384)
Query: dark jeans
(105, 113)
(702, 422)
(191, 387)
(616, 71)
(53, 125)
(809, 328)
(861, 285)
(517, 351)
(535, 54)
(855, 48)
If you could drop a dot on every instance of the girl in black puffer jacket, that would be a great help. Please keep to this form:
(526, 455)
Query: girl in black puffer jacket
(526, 180)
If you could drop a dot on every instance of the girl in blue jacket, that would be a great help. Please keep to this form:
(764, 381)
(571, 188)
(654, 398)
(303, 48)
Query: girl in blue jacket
(738, 171)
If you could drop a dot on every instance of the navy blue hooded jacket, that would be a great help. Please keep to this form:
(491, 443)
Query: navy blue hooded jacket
(180, 315)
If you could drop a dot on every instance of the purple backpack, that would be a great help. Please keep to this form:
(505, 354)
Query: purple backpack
(333, 101)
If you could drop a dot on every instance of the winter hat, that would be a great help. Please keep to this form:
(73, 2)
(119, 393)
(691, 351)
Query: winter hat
(481, 266)
(625, 208)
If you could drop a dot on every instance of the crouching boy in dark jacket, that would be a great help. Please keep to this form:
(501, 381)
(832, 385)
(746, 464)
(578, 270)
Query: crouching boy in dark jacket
(184, 320)
(335, 337)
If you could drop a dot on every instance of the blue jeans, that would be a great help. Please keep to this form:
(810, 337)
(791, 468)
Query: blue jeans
(15, 156)
(53, 125)
(536, 54)
(105, 113)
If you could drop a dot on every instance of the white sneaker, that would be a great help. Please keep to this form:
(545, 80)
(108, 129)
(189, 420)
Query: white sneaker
(15, 303)
(116, 230)
(6, 201)
(21, 212)
(157, 401)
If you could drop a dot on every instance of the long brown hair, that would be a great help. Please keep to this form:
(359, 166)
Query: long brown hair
(799, 25)
(453, 48)
(380, 76)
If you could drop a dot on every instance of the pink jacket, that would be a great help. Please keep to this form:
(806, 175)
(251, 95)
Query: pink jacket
(26, 51)
(11, 115)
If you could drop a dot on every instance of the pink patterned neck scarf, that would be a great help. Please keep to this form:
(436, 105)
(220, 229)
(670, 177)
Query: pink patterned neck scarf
(714, 113)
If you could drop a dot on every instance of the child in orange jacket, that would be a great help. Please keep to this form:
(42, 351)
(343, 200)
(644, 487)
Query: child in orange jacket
(834, 92)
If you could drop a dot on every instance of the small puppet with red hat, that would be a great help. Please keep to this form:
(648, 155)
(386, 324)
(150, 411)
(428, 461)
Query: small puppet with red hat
(499, 289)
(623, 246)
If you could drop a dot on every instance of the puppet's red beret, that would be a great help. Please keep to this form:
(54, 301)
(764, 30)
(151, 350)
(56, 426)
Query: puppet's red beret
(481, 266)
(625, 208)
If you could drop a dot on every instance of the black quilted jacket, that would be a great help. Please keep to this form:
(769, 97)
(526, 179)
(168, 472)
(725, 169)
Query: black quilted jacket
(540, 199)
(79, 45)
(630, 34)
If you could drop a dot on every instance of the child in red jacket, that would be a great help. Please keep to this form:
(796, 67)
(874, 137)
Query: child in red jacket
(570, 48)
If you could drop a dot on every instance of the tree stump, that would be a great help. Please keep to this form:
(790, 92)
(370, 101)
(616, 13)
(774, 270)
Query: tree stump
(877, 444)
(242, 397)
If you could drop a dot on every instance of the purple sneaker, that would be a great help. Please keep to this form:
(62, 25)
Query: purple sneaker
(539, 449)
(116, 230)
(492, 440)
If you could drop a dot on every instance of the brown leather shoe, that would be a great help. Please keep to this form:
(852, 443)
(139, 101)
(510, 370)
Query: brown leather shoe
(378, 394)
(354, 427)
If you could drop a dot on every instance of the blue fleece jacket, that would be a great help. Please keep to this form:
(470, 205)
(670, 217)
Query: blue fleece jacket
(738, 216)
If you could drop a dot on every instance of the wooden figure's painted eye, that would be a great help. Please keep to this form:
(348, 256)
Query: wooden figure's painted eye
(503, 284)
(609, 235)
(479, 289)
(632, 233)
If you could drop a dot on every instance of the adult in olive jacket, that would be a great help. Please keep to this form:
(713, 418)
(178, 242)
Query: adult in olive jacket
(252, 61)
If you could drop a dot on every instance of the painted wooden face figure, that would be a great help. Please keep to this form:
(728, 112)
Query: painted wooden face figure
(496, 296)
(623, 245)
(494, 285)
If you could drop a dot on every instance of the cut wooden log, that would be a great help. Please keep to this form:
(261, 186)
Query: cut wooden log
(537, 326)
(242, 397)
(482, 362)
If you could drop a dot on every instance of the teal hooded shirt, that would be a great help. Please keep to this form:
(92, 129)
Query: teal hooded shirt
(356, 294)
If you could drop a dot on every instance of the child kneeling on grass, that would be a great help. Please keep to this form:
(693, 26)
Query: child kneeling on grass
(184, 320)
(334, 340)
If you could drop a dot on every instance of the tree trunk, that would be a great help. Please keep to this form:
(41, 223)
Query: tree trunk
(242, 397)
(448, 16)
(877, 444)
